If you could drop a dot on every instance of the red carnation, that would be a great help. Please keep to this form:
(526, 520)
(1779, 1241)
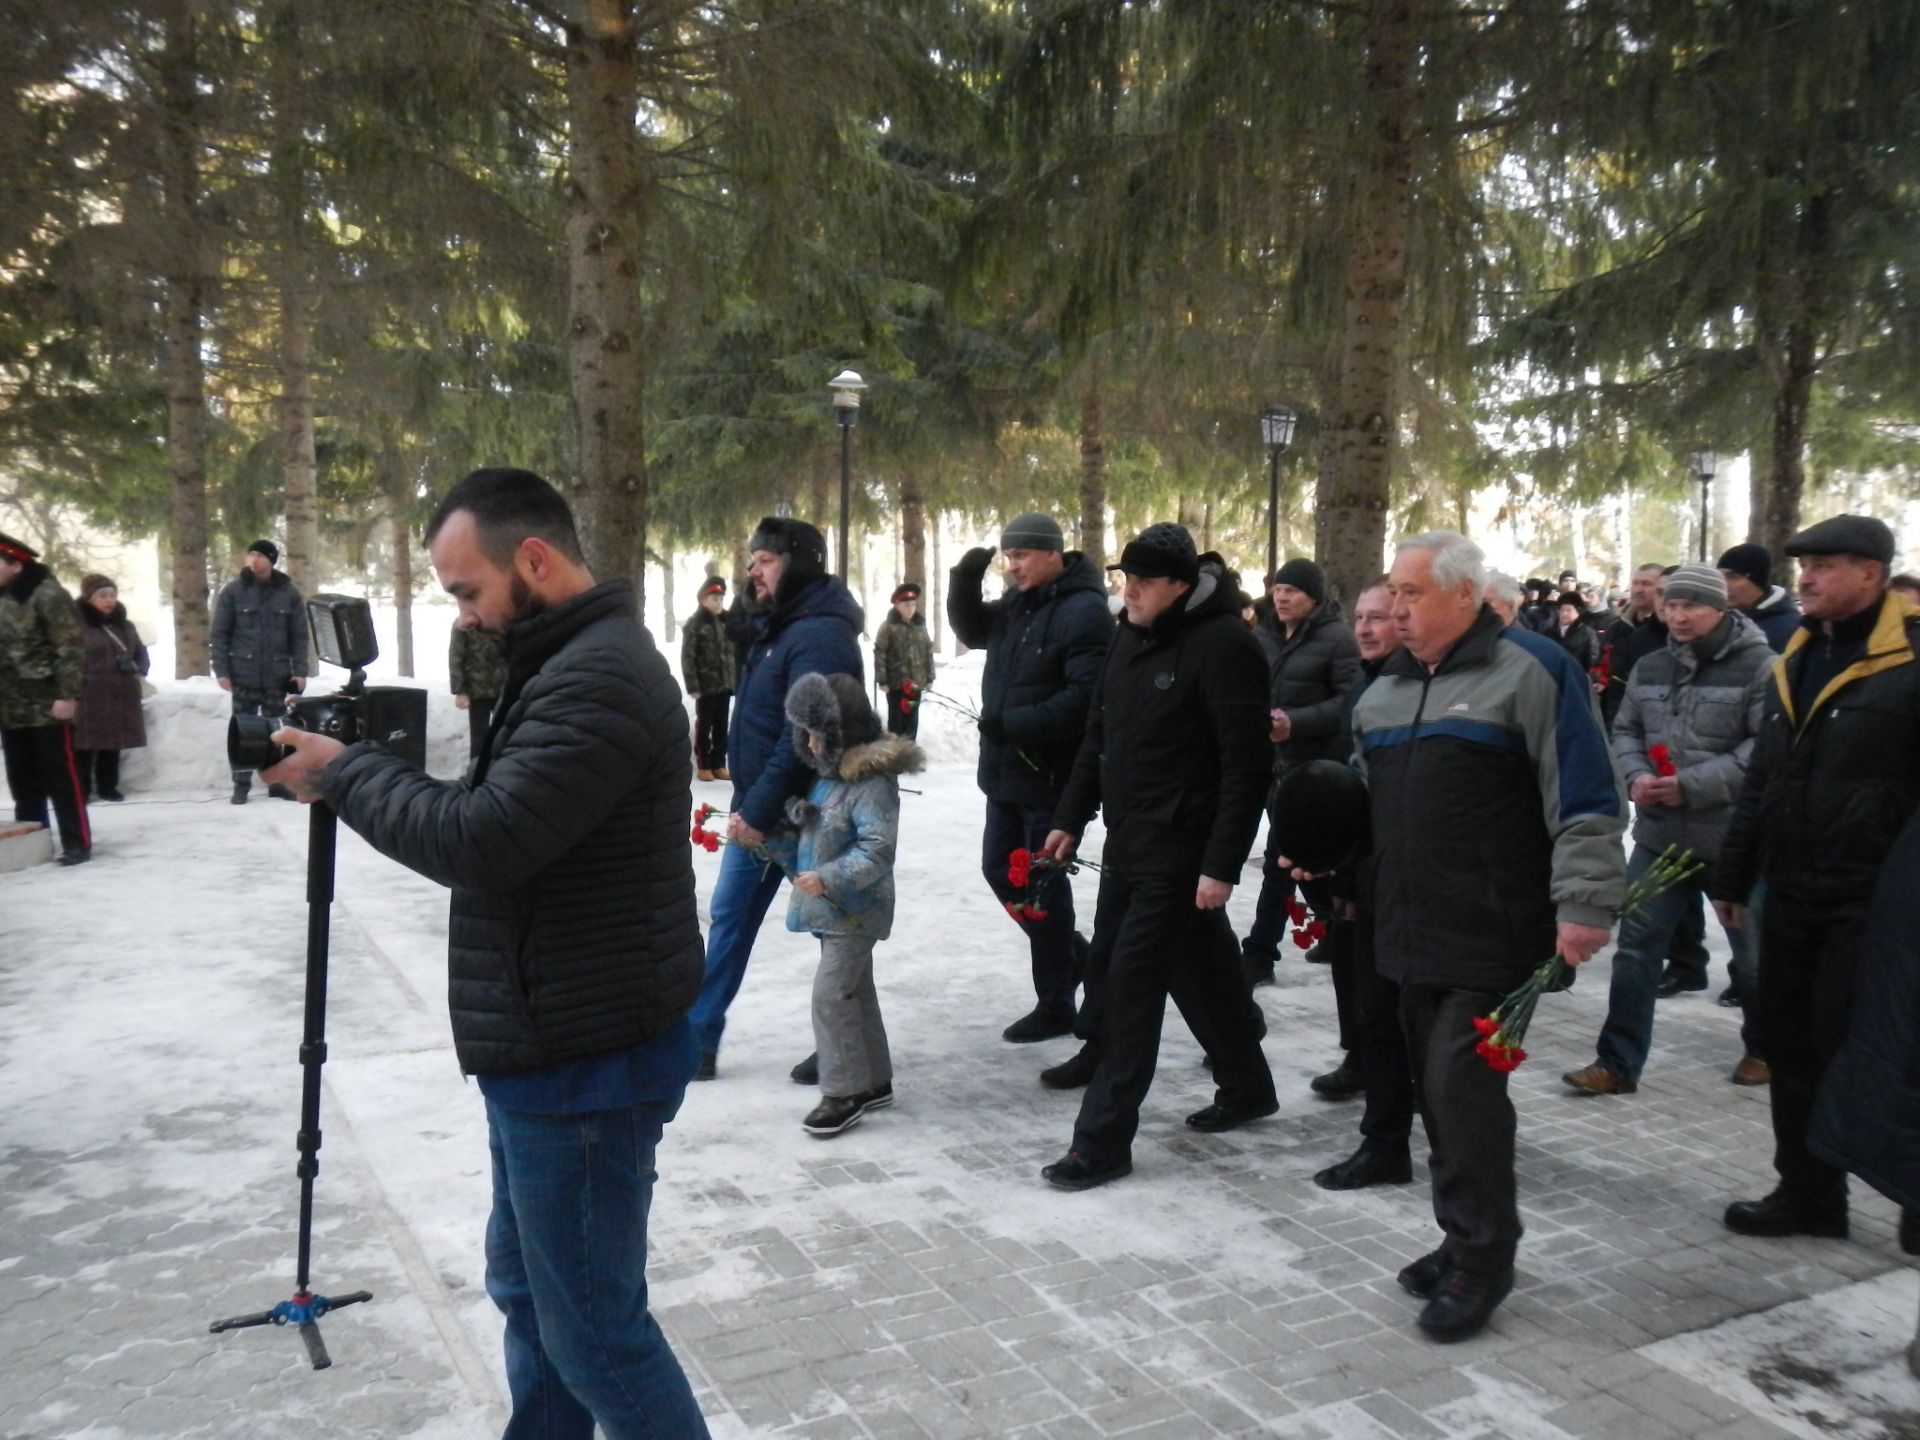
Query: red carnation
(1486, 1025)
(1017, 911)
(1034, 912)
(1662, 759)
(1019, 868)
(1297, 911)
(1316, 930)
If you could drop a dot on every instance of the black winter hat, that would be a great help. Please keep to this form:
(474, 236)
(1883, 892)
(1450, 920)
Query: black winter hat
(1303, 575)
(1163, 551)
(804, 547)
(266, 548)
(1320, 818)
(1860, 535)
(1751, 561)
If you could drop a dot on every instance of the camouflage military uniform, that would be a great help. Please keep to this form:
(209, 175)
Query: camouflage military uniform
(903, 657)
(477, 669)
(708, 665)
(42, 659)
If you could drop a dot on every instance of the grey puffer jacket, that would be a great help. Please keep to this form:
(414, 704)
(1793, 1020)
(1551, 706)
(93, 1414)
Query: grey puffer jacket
(573, 931)
(1703, 701)
(259, 634)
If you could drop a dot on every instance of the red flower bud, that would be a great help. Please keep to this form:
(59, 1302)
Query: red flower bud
(1486, 1025)
(1316, 930)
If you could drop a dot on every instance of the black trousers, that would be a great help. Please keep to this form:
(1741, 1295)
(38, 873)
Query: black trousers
(1470, 1127)
(1051, 946)
(710, 731)
(99, 771)
(479, 717)
(1379, 1044)
(42, 771)
(1149, 943)
(1807, 960)
(903, 715)
(1342, 962)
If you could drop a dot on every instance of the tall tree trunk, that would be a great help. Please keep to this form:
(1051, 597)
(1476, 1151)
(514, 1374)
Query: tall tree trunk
(289, 178)
(188, 286)
(606, 215)
(1360, 433)
(1790, 351)
(667, 597)
(936, 580)
(1093, 478)
(913, 531)
(402, 586)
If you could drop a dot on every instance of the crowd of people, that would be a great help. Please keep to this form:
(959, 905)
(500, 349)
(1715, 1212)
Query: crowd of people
(1508, 735)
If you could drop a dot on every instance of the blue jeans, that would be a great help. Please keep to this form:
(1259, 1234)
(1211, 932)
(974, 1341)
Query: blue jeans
(1645, 940)
(741, 895)
(567, 1265)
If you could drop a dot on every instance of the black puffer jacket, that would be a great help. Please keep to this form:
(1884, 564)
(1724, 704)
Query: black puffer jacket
(573, 930)
(1310, 674)
(259, 635)
(1867, 1119)
(1176, 753)
(1830, 784)
(1044, 648)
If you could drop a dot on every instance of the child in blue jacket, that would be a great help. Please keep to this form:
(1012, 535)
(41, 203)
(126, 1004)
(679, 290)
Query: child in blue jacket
(840, 853)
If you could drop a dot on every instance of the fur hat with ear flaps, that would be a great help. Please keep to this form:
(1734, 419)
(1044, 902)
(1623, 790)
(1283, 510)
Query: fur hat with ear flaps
(835, 706)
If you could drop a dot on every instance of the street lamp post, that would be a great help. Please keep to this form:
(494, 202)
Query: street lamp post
(1704, 462)
(846, 388)
(1276, 429)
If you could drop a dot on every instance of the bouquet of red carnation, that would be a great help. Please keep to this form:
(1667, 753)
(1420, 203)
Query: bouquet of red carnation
(1603, 672)
(1502, 1032)
(909, 696)
(1035, 875)
(1662, 759)
(1308, 929)
(704, 837)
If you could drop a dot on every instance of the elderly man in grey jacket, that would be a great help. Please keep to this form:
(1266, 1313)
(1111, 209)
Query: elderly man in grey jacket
(1685, 729)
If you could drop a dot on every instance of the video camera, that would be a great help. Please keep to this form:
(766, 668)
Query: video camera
(392, 716)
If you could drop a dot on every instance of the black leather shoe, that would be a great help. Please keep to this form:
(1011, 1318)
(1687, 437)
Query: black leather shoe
(1257, 970)
(1073, 1073)
(113, 795)
(75, 856)
(1425, 1276)
(1367, 1166)
(1217, 1117)
(1731, 998)
(1072, 1172)
(1909, 1230)
(1037, 1025)
(1318, 954)
(807, 1072)
(1781, 1214)
(1340, 1083)
(1464, 1304)
(1672, 985)
(240, 789)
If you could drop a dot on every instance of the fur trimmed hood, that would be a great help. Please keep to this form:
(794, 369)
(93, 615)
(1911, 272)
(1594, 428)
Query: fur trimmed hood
(889, 755)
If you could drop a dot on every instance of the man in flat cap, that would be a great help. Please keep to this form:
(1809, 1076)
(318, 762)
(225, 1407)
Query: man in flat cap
(42, 668)
(903, 660)
(1176, 761)
(1834, 778)
(1045, 639)
(258, 644)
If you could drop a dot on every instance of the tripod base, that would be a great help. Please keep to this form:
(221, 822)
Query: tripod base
(303, 1310)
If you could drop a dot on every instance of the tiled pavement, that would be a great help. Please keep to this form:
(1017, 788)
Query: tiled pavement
(909, 1279)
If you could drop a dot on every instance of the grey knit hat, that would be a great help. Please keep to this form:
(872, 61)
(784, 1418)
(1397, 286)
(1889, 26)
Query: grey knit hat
(1033, 531)
(1700, 584)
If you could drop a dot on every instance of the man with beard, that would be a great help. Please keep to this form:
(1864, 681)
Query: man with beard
(796, 620)
(573, 946)
(1496, 844)
(1044, 640)
(1176, 760)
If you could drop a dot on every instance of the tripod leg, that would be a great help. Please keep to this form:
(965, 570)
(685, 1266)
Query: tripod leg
(316, 1347)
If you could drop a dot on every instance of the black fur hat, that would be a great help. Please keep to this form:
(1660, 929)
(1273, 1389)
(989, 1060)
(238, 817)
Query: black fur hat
(804, 547)
(833, 706)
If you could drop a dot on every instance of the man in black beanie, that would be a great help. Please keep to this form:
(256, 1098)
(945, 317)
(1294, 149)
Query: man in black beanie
(1749, 573)
(258, 645)
(1312, 662)
(1045, 637)
(1175, 759)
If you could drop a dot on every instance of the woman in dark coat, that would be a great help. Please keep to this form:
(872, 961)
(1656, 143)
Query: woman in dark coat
(1579, 637)
(109, 718)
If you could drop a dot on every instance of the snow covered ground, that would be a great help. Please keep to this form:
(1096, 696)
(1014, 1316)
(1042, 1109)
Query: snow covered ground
(910, 1278)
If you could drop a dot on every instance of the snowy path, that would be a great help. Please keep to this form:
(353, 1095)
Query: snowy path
(910, 1278)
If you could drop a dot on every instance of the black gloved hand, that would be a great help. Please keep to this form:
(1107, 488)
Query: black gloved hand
(974, 563)
(993, 728)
